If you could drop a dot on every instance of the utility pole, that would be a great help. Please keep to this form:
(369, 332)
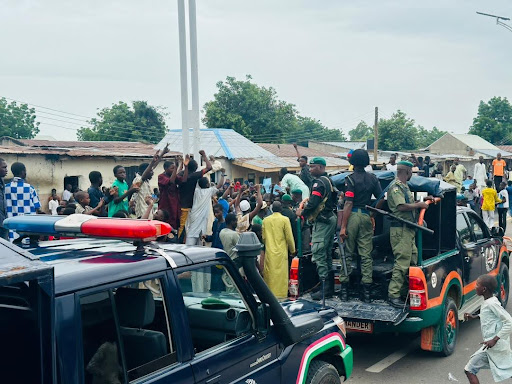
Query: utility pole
(498, 20)
(376, 135)
(189, 117)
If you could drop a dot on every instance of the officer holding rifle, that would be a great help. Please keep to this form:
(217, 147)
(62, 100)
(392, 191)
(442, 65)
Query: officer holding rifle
(402, 236)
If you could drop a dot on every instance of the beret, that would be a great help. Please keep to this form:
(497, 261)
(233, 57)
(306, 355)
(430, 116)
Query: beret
(318, 160)
(406, 163)
(299, 191)
(286, 198)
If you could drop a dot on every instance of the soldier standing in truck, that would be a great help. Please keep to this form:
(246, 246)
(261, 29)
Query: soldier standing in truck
(402, 237)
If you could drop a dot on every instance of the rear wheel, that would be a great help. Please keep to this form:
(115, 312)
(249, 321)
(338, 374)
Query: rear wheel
(504, 287)
(321, 372)
(450, 326)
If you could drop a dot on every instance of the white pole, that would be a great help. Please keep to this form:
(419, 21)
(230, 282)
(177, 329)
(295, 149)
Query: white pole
(183, 75)
(194, 118)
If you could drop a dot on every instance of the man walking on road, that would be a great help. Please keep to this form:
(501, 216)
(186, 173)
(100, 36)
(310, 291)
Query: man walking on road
(279, 242)
(480, 173)
(402, 237)
(356, 226)
(321, 209)
(499, 166)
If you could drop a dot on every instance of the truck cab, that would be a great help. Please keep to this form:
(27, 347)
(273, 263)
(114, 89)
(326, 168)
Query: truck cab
(442, 283)
(124, 310)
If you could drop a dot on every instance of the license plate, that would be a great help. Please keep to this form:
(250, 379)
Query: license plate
(359, 326)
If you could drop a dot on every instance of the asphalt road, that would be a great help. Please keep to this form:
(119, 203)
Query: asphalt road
(413, 365)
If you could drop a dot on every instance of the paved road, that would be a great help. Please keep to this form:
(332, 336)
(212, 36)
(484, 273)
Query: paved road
(413, 365)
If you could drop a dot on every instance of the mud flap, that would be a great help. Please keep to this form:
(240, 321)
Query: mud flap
(432, 338)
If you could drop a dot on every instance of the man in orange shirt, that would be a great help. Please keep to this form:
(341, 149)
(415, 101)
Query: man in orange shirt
(498, 170)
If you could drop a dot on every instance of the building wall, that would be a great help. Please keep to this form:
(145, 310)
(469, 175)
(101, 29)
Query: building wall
(450, 145)
(45, 173)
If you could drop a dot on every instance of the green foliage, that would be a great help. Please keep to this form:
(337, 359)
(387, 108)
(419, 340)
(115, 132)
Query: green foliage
(141, 122)
(400, 133)
(17, 121)
(494, 121)
(361, 132)
(256, 113)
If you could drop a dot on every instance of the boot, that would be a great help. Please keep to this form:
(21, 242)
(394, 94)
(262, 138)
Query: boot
(343, 295)
(366, 293)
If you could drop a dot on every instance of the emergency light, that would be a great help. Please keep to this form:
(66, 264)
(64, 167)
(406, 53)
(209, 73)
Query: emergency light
(79, 225)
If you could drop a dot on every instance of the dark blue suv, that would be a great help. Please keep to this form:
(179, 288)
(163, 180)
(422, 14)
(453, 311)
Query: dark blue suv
(97, 311)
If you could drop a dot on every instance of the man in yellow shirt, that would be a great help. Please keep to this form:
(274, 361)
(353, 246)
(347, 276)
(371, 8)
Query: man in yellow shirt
(498, 170)
(490, 199)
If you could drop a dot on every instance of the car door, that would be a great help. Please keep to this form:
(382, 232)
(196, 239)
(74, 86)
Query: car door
(127, 334)
(470, 249)
(222, 327)
(488, 246)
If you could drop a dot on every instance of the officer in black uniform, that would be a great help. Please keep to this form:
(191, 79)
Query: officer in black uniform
(357, 226)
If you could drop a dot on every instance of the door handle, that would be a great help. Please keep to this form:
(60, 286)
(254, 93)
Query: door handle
(214, 380)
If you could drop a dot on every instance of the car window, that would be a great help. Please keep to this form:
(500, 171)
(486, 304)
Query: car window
(478, 228)
(216, 310)
(463, 229)
(142, 325)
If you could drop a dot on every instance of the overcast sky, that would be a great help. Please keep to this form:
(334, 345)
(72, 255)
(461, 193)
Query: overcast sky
(334, 59)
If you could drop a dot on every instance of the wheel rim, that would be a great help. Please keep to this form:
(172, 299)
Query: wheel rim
(450, 326)
(503, 288)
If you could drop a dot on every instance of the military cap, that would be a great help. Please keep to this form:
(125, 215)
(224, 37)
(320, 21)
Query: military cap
(286, 197)
(406, 163)
(318, 160)
(297, 191)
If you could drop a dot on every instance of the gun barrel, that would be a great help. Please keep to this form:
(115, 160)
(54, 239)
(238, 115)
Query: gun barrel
(406, 222)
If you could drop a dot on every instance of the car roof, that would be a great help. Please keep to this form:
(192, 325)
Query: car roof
(83, 263)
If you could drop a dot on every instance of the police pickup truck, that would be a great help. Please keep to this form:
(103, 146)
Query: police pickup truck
(124, 308)
(442, 284)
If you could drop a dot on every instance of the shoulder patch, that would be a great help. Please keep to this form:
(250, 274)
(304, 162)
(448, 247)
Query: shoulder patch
(396, 189)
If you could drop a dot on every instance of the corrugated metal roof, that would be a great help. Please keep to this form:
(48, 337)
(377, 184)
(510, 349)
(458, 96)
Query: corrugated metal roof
(287, 150)
(506, 148)
(346, 144)
(218, 142)
(493, 152)
(474, 141)
(274, 163)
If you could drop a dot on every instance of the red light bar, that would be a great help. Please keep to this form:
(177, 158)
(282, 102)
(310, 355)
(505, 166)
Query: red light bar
(125, 228)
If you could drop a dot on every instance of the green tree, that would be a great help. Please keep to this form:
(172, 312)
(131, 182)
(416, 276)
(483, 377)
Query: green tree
(397, 133)
(256, 113)
(361, 132)
(17, 120)
(494, 121)
(140, 122)
(426, 137)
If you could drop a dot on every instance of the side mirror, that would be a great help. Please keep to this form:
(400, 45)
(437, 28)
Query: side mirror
(497, 232)
(263, 319)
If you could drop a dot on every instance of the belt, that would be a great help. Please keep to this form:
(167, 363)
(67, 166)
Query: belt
(397, 224)
(361, 210)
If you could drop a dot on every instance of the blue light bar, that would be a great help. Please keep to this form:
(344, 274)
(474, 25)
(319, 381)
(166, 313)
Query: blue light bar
(44, 224)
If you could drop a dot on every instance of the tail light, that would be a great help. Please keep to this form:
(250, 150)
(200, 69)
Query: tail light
(293, 282)
(417, 294)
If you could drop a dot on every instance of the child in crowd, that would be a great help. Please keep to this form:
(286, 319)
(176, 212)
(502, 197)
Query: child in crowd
(496, 325)
(490, 199)
(120, 192)
(218, 225)
(53, 204)
(83, 206)
(503, 206)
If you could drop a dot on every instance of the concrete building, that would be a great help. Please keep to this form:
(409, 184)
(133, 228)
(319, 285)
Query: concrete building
(53, 164)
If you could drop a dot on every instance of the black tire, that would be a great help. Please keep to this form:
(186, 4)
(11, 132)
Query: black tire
(504, 286)
(450, 326)
(321, 372)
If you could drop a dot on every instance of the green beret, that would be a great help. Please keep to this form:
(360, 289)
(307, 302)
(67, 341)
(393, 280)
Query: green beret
(297, 191)
(406, 163)
(286, 198)
(214, 303)
(318, 160)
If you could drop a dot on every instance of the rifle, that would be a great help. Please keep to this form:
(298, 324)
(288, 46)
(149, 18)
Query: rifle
(399, 219)
(341, 245)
